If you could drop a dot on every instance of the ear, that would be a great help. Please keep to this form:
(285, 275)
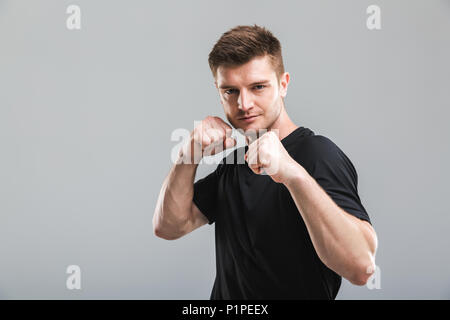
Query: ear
(284, 82)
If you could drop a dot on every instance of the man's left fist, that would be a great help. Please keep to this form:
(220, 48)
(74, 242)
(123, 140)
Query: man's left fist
(268, 153)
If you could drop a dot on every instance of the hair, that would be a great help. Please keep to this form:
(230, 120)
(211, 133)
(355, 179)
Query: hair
(241, 44)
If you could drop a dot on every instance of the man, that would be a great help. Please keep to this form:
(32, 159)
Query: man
(290, 233)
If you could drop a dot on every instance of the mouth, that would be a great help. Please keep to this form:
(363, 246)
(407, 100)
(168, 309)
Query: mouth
(249, 118)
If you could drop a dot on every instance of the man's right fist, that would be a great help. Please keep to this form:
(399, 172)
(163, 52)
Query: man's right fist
(209, 137)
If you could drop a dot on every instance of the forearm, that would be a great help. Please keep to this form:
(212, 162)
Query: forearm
(175, 199)
(337, 238)
(174, 208)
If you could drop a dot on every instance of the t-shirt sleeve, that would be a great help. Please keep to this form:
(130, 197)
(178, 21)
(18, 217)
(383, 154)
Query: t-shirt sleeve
(335, 173)
(205, 194)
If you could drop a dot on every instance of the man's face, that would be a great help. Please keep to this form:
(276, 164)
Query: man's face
(251, 94)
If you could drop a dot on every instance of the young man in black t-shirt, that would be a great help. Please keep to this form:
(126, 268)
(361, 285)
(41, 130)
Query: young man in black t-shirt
(288, 219)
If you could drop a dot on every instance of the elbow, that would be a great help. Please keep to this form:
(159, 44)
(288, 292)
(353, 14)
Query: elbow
(359, 280)
(157, 232)
(161, 232)
(362, 274)
(155, 226)
(365, 267)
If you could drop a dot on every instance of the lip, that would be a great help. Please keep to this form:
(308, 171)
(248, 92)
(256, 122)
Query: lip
(249, 119)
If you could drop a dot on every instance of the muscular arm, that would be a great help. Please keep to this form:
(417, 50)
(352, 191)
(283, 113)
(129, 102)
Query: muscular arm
(175, 214)
(344, 243)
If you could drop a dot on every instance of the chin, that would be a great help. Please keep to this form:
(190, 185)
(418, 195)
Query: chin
(254, 128)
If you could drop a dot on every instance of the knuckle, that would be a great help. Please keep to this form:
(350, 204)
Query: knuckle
(205, 139)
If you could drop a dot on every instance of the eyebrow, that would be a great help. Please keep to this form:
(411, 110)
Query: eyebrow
(226, 86)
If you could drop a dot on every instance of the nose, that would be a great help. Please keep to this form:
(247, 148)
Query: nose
(244, 101)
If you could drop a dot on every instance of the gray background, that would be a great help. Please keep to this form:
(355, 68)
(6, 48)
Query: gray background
(86, 118)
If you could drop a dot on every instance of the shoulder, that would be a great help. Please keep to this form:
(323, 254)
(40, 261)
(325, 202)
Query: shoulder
(320, 151)
(318, 142)
(318, 146)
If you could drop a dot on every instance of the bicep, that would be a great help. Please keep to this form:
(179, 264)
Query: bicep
(370, 235)
(368, 231)
(337, 176)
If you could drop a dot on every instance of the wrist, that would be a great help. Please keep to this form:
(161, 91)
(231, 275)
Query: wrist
(190, 153)
(297, 177)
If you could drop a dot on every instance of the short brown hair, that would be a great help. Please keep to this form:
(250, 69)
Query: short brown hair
(241, 44)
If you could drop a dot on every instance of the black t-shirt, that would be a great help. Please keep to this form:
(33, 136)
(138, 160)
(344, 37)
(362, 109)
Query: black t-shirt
(263, 248)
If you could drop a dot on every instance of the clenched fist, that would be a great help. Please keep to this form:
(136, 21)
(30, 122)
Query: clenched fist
(209, 137)
(268, 153)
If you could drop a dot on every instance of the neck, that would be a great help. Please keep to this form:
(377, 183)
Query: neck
(283, 124)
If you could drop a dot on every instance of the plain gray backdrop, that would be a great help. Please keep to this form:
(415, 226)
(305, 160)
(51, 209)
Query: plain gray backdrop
(86, 118)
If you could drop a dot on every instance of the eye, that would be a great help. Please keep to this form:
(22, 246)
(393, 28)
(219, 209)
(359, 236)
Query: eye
(259, 86)
(230, 91)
